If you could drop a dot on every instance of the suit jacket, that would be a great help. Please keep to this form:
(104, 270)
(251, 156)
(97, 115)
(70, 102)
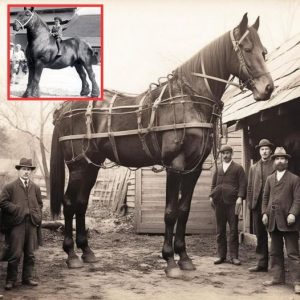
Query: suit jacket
(228, 186)
(15, 203)
(280, 199)
(255, 182)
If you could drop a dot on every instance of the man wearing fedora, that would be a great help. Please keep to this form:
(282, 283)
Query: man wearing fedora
(21, 205)
(258, 174)
(281, 215)
(56, 31)
(227, 192)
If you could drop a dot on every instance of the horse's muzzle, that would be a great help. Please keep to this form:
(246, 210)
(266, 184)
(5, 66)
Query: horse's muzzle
(16, 26)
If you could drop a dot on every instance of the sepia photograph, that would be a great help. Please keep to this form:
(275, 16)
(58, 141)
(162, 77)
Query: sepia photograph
(150, 149)
(54, 48)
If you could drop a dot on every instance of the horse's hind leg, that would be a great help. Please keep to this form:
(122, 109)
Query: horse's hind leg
(85, 90)
(187, 188)
(87, 182)
(91, 74)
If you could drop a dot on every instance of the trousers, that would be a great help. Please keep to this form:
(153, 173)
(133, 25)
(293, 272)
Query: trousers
(22, 238)
(226, 214)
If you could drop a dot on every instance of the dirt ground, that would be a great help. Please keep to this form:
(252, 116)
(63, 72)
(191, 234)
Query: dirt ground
(130, 266)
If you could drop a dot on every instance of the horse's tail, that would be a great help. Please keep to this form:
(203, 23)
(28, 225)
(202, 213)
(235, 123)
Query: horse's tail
(57, 175)
(95, 59)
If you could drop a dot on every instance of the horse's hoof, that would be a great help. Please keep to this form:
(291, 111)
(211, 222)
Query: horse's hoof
(89, 258)
(74, 263)
(174, 273)
(85, 93)
(186, 265)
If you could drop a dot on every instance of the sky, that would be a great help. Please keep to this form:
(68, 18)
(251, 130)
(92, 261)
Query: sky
(145, 39)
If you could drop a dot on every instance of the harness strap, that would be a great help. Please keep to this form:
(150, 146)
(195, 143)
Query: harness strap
(88, 121)
(140, 127)
(135, 131)
(110, 134)
(205, 78)
(152, 120)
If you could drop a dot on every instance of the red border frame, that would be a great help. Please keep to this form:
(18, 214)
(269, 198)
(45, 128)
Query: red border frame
(9, 97)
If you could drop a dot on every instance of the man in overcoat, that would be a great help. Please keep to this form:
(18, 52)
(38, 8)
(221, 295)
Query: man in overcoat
(281, 215)
(21, 205)
(227, 192)
(258, 174)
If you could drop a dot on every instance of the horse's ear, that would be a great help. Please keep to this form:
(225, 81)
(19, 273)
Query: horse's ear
(25, 8)
(244, 24)
(256, 24)
(31, 8)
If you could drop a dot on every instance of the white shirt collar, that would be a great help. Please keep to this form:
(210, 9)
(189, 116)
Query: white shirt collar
(226, 165)
(23, 181)
(279, 174)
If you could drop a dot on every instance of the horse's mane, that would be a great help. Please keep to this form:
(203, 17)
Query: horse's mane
(41, 21)
(215, 59)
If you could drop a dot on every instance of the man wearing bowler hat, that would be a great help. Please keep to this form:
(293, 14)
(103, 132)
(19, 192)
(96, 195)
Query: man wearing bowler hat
(227, 192)
(21, 205)
(281, 215)
(56, 31)
(258, 174)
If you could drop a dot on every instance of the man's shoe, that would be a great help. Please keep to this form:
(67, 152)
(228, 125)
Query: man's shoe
(273, 282)
(258, 269)
(219, 261)
(30, 282)
(9, 285)
(297, 288)
(235, 261)
(58, 54)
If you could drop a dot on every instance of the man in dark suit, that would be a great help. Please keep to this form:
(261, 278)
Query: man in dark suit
(21, 205)
(281, 215)
(227, 192)
(258, 174)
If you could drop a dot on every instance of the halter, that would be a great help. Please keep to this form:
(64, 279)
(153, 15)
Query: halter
(23, 25)
(237, 48)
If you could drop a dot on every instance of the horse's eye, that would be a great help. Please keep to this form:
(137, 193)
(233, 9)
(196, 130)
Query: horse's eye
(247, 50)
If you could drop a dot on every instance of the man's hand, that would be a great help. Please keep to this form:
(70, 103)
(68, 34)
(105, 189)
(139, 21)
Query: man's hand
(265, 219)
(212, 202)
(238, 205)
(291, 219)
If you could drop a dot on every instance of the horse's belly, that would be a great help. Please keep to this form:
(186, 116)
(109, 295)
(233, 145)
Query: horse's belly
(130, 152)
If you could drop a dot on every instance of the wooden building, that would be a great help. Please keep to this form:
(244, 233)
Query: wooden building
(276, 119)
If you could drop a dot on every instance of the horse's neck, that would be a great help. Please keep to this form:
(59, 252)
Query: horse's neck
(212, 61)
(37, 30)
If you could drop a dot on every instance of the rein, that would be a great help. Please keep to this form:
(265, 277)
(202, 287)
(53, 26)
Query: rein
(23, 25)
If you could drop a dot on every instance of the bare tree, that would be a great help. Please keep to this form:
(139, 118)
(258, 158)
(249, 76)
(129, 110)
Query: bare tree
(14, 114)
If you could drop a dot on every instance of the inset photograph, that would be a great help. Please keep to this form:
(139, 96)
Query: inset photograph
(55, 52)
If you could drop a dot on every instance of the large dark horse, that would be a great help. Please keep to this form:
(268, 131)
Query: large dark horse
(171, 125)
(41, 52)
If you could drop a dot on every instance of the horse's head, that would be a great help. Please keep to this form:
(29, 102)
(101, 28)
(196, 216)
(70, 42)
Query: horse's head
(24, 18)
(249, 55)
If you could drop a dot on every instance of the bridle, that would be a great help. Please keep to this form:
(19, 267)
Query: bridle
(30, 18)
(243, 68)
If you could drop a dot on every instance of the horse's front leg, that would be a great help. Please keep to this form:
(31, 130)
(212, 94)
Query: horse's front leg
(28, 91)
(187, 188)
(68, 244)
(171, 213)
(35, 89)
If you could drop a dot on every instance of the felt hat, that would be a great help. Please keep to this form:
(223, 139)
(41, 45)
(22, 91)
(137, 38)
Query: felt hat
(280, 152)
(264, 143)
(26, 163)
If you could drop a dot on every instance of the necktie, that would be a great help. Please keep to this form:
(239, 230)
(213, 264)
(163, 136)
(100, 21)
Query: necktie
(26, 185)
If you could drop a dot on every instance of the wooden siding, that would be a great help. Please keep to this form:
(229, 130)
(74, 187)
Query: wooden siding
(150, 203)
